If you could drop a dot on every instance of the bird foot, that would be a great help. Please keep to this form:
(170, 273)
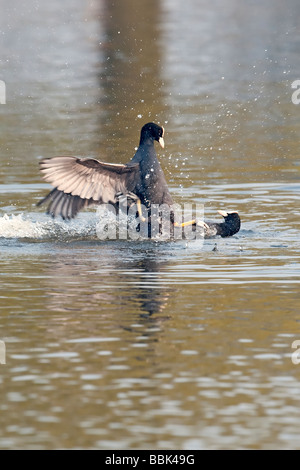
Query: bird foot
(201, 223)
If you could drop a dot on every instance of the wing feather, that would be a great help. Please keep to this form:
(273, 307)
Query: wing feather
(89, 178)
(81, 182)
(58, 202)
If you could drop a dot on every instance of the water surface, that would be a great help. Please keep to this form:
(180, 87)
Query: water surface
(145, 344)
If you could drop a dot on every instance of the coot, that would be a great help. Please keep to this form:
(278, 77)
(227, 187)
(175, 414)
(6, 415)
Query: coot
(229, 227)
(79, 183)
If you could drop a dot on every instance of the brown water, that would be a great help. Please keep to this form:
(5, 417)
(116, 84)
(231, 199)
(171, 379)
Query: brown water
(130, 345)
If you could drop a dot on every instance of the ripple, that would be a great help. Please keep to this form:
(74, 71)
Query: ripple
(92, 340)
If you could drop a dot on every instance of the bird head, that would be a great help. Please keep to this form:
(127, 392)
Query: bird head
(152, 131)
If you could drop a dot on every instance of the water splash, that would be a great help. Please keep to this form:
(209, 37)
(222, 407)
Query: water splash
(15, 226)
(25, 226)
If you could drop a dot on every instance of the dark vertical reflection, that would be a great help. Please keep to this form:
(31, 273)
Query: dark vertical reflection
(132, 89)
(137, 277)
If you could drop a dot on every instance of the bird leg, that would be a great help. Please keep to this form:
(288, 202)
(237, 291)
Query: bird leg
(139, 209)
(200, 223)
(138, 203)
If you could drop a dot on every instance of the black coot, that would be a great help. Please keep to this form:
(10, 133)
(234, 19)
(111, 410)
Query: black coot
(79, 183)
(229, 227)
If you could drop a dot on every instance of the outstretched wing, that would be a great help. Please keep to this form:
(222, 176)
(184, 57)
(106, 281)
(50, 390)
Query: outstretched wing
(81, 182)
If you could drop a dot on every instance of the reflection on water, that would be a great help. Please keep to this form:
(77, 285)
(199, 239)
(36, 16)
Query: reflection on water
(106, 279)
(119, 344)
(130, 79)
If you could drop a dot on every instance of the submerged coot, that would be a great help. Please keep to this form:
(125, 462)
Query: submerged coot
(229, 227)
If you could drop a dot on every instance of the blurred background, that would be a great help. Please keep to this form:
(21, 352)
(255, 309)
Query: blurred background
(144, 345)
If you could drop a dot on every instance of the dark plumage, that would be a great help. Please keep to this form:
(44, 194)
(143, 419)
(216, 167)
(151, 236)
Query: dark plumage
(229, 227)
(79, 182)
